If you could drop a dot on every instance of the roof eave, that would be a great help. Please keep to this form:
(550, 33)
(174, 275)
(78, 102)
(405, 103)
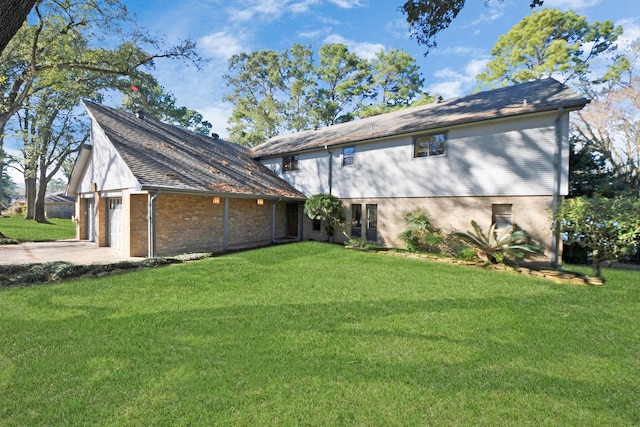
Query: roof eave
(432, 127)
(170, 189)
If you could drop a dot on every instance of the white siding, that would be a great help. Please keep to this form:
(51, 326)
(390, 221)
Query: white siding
(312, 176)
(512, 157)
(106, 167)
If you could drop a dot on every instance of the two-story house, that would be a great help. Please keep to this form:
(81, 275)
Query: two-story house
(499, 156)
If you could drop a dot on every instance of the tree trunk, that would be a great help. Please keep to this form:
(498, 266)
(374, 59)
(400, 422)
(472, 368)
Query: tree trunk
(12, 14)
(30, 195)
(42, 192)
(597, 261)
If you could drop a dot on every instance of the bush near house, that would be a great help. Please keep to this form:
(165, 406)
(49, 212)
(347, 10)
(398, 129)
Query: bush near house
(496, 245)
(421, 234)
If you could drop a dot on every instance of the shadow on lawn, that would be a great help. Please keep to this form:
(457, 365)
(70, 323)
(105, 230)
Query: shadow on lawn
(239, 360)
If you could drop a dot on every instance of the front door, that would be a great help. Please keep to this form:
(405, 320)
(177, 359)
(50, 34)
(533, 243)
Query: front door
(372, 223)
(115, 223)
(292, 219)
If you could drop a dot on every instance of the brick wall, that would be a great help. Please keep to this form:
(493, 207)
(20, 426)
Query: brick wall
(531, 213)
(186, 223)
(135, 225)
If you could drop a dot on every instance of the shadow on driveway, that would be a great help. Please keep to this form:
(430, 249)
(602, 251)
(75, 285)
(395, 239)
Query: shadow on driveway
(72, 251)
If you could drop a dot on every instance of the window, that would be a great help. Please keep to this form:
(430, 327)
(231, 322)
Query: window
(501, 216)
(356, 220)
(290, 163)
(317, 225)
(429, 145)
(348, 154)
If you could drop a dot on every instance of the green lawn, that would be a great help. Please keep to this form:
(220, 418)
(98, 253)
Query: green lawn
(16, 227)
(313, 334)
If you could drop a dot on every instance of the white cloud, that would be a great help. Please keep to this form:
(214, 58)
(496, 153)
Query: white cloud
(447, 90)
(302, 6)
(364, 50)
(457, 83)
(571, 4)
(220, 45)
(218, 117)
(631, 27)
(346, 4)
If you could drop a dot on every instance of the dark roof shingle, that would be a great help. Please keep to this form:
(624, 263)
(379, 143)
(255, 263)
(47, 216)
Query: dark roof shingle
(524, 98)
(165, 156)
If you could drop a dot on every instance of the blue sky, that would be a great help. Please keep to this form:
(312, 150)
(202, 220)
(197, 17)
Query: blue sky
(223, 28)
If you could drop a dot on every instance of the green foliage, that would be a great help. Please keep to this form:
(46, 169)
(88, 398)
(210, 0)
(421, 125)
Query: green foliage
(326, 208)
(421, 234)
(144, 92)
(550, 42)
(605, 226)
(275, 92)
(426, 18)
(494, 246)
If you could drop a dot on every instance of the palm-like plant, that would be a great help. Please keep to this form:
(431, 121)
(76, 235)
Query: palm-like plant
(494, 246)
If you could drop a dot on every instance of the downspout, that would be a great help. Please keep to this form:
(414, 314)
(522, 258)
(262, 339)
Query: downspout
(555, 235)
(273, 221)
(151, 219)
(225, 225)
(330, 169)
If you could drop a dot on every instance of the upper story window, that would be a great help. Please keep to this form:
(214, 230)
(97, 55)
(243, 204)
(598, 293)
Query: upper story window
(348, 155)
(290, 163)
(429, 145)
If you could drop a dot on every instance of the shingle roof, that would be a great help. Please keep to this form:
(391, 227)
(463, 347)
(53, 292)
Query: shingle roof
(59, 198)
(524, 98)
(165, 156)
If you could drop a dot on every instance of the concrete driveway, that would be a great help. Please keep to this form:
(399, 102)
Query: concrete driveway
(72, 251)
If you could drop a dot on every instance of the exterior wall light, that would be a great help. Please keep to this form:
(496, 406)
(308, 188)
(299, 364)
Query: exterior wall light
(216, 200)
(260, 201)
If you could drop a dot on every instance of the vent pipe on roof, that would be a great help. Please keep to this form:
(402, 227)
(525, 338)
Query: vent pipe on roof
(215, 136)
(140, 114)
(439, 99)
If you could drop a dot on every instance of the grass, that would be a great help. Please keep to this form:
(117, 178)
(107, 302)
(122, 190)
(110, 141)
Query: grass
(313, 334)
(16, 227)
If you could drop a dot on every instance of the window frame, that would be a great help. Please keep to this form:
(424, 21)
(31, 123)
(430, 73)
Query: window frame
(502, 211)
(290, 163)
(421, 152)
(351, 157)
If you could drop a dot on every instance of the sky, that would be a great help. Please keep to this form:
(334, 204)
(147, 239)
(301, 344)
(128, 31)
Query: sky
(222, 28)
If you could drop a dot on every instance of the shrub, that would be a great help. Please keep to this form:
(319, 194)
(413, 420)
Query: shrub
(326, 208)
(421, 234)
(494, 246)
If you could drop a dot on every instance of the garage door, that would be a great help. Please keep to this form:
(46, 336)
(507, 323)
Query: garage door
(115, 223)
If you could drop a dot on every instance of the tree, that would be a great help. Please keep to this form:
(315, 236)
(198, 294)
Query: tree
(13, 13)
(326, 208)
(148, 95)
(276, 92)
(258, 83)
(602, 225)
(426, 18)
(52, 131)
(63, 47)
(553, 43)
(588, 172)
(347, 82)
(609, 126)
(8, 187)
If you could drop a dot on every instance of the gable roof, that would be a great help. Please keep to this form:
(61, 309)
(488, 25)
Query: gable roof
(525, 98)
(162, 156)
